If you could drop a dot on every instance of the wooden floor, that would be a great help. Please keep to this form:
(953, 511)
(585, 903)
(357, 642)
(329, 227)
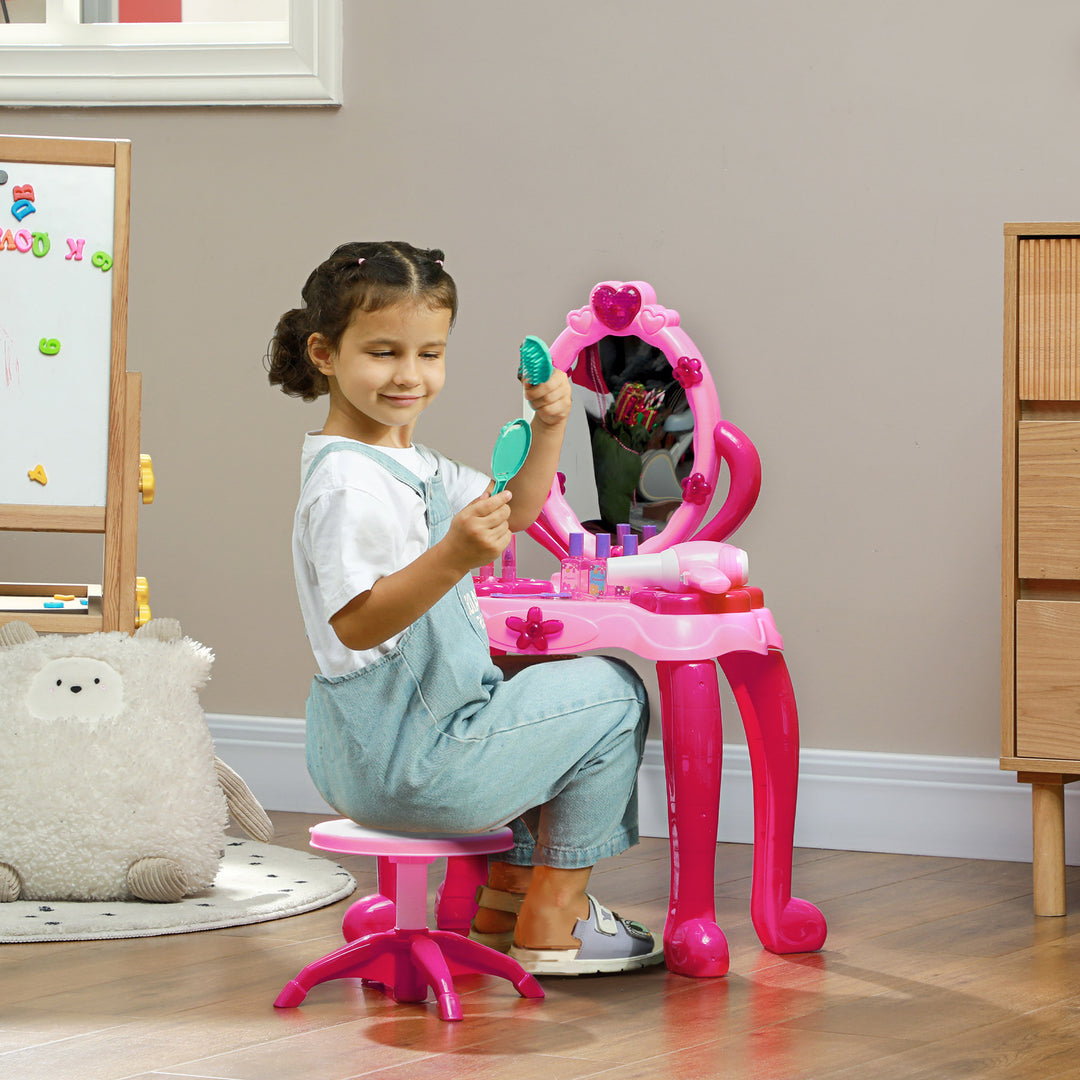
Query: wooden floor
(933, 968)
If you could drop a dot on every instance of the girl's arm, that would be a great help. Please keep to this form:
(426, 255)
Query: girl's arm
(531, 485)
(477, 536)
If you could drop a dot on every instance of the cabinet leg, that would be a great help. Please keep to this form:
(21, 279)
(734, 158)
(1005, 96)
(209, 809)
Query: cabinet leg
(1048, 849)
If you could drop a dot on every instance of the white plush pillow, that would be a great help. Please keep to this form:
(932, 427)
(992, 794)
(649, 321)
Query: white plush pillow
(106, 762)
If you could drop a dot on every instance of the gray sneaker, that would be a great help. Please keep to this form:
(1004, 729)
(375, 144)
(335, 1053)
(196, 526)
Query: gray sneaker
(608, 944)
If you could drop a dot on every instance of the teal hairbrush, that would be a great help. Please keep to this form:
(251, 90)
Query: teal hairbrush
(535, 365)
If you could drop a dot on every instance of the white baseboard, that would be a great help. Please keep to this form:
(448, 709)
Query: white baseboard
(849, 800)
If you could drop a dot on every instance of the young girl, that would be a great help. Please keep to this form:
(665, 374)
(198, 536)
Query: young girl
(410, 726)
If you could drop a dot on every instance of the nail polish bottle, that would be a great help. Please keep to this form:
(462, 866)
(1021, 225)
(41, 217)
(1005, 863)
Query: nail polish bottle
(571, 567)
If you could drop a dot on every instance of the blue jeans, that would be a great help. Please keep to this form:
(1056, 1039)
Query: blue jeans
(432, 738)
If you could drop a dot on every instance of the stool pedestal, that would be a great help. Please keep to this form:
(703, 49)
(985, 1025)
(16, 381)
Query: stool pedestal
(389, 943)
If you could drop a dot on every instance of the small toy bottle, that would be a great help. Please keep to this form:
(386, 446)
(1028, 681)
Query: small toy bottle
(571, 567)
(509, 561)
(648, 532)
(629, 547)
(598, 565)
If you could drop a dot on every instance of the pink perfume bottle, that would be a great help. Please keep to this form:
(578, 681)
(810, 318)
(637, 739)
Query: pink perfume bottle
(509, 561)
(572, 567)
(598, 565)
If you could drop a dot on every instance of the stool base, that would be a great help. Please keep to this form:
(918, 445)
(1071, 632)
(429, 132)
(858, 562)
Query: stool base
(404, 963)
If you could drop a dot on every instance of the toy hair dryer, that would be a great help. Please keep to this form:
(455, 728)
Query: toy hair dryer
(695, 566)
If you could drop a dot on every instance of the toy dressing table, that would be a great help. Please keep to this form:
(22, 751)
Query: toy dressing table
(686, 630)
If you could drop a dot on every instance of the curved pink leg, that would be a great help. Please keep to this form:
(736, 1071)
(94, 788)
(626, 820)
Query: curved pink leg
(428, 958)
(455, 898)
(766, 702)
(693, 749)
(370, 958)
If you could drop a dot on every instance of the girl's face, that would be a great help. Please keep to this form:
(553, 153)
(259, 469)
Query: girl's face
(388, 367)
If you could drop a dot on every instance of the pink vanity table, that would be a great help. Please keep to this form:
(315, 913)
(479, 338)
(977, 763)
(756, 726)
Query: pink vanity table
(687, 632)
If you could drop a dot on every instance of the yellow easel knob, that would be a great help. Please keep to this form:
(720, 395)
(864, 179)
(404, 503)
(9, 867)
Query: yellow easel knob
(146, 479)
(142, 602)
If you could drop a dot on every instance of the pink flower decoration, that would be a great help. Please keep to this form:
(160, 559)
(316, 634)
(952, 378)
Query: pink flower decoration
(533, 630)
(696, 489)
(688, 372)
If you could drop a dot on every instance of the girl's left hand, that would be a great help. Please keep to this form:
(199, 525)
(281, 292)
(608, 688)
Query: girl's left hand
(551, 400)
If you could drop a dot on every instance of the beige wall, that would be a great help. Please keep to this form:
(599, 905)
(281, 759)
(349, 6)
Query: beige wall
(818, 188)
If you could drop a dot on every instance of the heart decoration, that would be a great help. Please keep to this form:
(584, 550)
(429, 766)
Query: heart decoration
(653, 320)
(580, 320)
(616, 310)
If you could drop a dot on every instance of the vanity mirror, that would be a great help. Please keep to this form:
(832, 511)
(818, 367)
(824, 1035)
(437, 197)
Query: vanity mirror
(656, 434)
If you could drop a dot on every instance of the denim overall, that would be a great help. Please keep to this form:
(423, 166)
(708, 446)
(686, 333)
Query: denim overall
(430, 737)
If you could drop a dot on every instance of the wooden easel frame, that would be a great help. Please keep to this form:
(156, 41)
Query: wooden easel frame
(118, 518)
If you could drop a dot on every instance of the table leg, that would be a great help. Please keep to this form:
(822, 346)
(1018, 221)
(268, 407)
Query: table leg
(693, 747)
(766, 702)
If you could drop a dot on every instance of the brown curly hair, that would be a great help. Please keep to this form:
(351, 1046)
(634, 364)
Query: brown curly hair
(358, 275)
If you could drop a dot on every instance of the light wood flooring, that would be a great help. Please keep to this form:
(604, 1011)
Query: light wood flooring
(933, 968)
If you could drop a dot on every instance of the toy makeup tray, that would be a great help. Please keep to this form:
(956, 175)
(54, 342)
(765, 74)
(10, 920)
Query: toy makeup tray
(655, 427)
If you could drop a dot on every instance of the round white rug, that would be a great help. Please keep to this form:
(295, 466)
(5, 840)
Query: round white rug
(256, 883)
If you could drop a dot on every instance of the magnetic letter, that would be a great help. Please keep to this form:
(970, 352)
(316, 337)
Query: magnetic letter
(22, 208)
(49, 346)
(8, 242)
(40, 245)
(23, 240)
(102, 261)
(22, 191)
(74, 249)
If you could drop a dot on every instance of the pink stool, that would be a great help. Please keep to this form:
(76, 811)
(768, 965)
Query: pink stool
(389, 943)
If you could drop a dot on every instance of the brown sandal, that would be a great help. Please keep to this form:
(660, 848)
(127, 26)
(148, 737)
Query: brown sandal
(496, 900)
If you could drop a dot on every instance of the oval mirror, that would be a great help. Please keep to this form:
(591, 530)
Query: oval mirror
(651, 410)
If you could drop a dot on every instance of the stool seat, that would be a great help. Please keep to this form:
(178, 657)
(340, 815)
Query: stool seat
(345, 836)
(389, 943)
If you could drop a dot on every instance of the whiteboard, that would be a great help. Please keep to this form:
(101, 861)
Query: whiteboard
(56, 315)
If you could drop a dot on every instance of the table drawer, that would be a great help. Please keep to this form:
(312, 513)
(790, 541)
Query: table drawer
(1048, 678)
(1048, 503)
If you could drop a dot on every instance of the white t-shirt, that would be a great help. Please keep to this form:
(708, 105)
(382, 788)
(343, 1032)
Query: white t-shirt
(354, 524)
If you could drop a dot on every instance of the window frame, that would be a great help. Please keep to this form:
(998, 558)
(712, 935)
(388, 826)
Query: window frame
(65, 62)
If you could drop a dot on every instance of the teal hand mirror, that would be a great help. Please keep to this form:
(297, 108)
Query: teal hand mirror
(511, 450)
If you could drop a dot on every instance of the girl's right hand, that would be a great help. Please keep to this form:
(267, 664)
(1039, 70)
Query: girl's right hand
(480, 532)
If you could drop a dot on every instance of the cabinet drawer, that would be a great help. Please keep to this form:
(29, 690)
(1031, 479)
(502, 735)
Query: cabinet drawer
(1048, 501)
(1048, 310)
(1048, 679)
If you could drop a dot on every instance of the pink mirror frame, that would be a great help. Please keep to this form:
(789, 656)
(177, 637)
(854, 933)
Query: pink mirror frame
(629, 309)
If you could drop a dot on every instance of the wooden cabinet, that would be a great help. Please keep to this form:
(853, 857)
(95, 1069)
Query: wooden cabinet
(1040, 581)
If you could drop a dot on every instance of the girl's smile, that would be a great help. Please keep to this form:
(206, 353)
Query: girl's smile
(387, 368)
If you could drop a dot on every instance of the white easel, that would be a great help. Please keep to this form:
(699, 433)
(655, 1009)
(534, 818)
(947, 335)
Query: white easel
(64, 220)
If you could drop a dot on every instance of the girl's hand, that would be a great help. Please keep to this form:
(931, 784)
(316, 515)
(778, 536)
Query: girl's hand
(551, 400)
(480, 533)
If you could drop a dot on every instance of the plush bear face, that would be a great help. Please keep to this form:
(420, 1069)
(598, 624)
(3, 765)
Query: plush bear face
(77, 687)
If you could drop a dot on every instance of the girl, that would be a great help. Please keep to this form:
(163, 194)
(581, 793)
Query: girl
(410, 726)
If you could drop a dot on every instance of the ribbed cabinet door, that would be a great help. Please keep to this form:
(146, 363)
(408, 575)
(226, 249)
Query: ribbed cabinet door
(1048, 318)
